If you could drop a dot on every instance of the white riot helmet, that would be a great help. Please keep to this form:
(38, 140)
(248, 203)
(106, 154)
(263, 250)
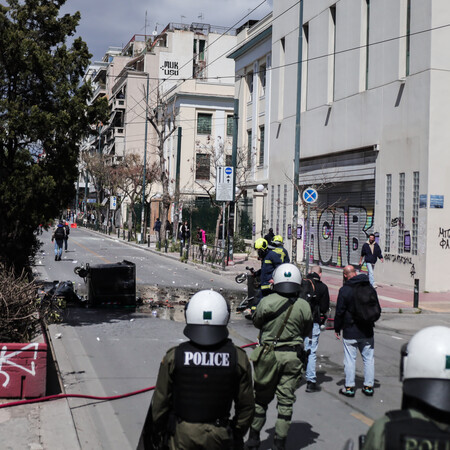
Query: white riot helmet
(207, 314)
(287, 279)
(425, 367)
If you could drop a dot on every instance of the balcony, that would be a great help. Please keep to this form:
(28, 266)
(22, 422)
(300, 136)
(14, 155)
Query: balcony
(119, 104)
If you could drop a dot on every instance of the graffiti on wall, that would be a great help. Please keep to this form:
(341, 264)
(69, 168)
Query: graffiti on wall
(337, 235)
(7, 359)
(444, 236)
(398, 258)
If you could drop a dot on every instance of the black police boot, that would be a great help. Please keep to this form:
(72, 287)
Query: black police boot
(253, 440)
(278, 443)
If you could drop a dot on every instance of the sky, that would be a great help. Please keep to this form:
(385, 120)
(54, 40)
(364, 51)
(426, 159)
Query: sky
(106, 23)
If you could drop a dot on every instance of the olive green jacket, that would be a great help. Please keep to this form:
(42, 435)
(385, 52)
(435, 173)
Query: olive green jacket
(244, 402)
(298, 326)
(375, 439)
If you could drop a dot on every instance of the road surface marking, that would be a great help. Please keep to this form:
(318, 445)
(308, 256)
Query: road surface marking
(390, 299)
(396, 337)
(364, 419)
(91, 251)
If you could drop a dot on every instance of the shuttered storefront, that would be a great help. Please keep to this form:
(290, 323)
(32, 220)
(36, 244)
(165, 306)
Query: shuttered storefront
(344, 213)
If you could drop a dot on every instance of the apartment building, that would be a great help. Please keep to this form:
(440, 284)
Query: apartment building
(182, 78)
(253, 64)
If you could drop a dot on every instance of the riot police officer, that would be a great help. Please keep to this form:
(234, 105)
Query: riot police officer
(284, 320)
(424, 420)
(198, 382)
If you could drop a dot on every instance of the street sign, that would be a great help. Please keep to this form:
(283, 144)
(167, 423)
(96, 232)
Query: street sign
(113, 202)
(310, 195)
(224, 184)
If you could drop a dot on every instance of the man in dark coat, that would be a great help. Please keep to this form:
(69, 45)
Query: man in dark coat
(356, 336)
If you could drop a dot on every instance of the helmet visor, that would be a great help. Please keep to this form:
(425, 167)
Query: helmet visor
(206, 334)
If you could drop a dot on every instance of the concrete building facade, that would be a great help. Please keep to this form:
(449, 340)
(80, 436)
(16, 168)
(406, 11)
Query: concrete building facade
(372, 136)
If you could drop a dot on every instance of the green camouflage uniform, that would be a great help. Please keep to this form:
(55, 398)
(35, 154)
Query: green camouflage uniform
(298, 326)
(208, 436)
(375, 439)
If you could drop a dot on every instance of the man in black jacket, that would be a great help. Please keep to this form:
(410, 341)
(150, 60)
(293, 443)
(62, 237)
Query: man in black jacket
(356, 336)
(371, 252)
(320, 304)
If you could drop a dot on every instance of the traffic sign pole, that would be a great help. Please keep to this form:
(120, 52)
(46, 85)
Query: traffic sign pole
(309, 196)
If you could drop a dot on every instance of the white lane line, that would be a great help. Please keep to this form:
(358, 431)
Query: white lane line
(390, 299)
(396, 337)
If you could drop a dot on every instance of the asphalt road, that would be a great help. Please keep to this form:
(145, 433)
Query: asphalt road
(108, 352)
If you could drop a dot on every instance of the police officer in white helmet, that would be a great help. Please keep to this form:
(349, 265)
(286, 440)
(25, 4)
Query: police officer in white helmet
(198, 382)
(423, 422)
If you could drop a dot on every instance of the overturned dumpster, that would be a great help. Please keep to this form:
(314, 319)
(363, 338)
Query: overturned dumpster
(110, 284)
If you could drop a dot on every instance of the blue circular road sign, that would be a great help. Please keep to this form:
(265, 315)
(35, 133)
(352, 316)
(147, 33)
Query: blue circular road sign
(228, 170)
(310, 195)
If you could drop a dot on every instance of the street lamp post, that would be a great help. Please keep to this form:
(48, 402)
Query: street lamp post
(145, 166)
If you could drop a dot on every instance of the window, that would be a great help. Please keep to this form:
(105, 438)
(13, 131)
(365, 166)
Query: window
(202, 166)
(262, 78)
(249, 148)
(229, 125)
(229, 160)
(204, 122)
(261, 145)
(250, 86)
(387, 244)
(401, 212)
(415, 213)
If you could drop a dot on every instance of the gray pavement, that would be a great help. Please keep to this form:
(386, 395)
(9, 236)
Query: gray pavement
(50, 425)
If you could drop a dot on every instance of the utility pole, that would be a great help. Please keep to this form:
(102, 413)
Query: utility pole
(177, 186)
(233, 163)
(297, 135)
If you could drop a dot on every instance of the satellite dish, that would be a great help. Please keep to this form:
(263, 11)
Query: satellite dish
(154, 33)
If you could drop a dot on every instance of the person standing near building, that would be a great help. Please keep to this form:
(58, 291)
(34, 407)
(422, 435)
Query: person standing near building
(320, 304)
(58, 236)
(357, 335)
(284, 321)
(157, 229)
(370, 253)
(198, 383)
(423, 422)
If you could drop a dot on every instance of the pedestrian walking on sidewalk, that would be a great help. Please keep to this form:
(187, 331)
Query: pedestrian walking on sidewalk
(370, 253)
(320, 304)
(357, 332)
(66, 237)
(198, 383)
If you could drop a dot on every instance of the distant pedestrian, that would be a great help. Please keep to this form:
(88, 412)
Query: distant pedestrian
(157, 229)
(370, 253)
(58, 236)
(320, 304)
(66, 237)
(169, 229)
(357, 335)
(269, 236)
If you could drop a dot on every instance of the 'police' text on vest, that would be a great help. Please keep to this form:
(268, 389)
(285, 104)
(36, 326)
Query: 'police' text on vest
(206, 359)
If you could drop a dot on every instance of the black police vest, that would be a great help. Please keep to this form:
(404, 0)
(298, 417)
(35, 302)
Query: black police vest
(205, 381)
(405, 432)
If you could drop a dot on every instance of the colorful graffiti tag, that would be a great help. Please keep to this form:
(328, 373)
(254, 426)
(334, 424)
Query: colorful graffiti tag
(337, 235)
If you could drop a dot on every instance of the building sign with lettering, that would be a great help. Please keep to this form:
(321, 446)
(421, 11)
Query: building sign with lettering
(169, 68)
